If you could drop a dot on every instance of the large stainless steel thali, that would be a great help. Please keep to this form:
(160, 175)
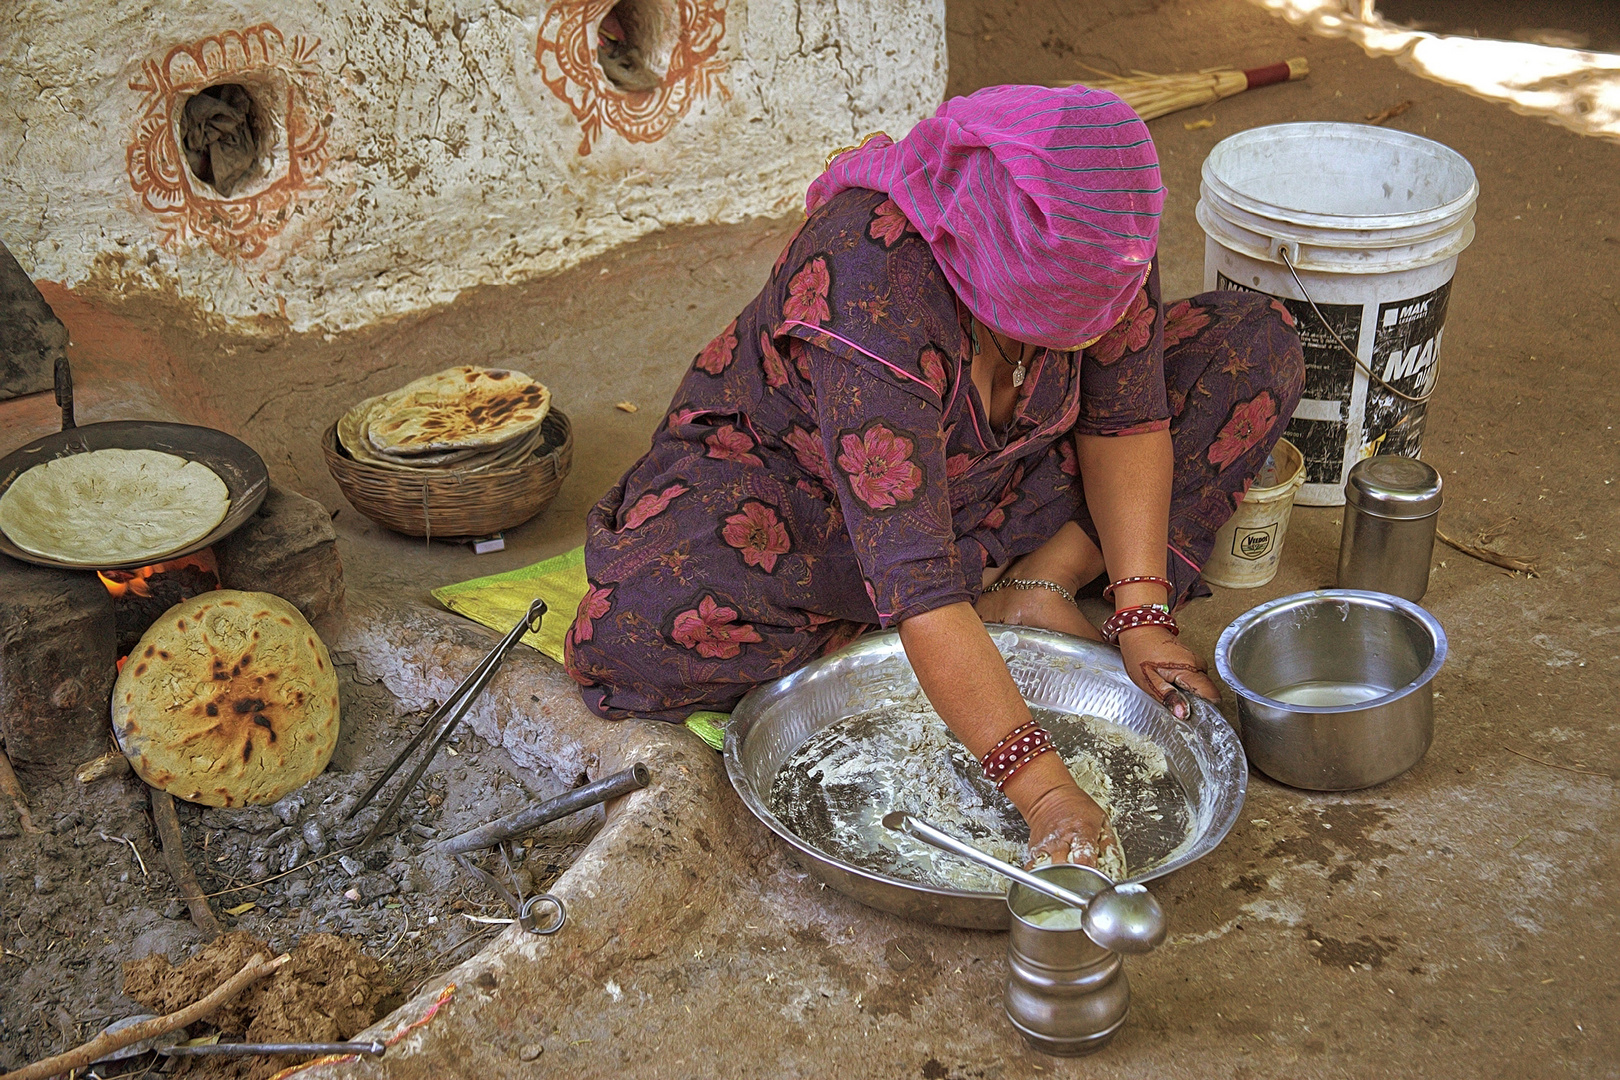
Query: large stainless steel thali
(1053, 670)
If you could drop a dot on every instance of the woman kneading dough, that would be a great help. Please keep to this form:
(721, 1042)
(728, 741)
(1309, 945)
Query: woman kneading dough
(957, 400)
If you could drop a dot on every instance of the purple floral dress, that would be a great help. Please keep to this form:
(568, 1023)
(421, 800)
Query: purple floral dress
(826, 464)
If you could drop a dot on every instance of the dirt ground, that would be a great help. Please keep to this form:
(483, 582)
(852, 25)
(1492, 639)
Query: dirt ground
(1459, 921)
(91, 892)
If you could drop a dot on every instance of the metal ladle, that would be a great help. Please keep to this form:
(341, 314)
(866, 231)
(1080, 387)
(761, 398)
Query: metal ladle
(1123, 918)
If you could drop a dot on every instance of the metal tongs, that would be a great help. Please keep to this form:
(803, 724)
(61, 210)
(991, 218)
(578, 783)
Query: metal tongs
(460, 701)
(522, 907)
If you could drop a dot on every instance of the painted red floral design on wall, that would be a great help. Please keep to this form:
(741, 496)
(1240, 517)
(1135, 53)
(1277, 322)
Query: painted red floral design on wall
(565, 51)
(236, 225)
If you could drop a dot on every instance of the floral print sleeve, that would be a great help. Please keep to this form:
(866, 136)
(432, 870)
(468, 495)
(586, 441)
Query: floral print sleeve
(885, 452)
(1122, 372)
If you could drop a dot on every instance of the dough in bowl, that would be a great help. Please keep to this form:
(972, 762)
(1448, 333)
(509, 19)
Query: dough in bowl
(113, 507)
(229, 700)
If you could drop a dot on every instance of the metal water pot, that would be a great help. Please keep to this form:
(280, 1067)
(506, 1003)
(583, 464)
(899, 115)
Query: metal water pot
(1066, 994)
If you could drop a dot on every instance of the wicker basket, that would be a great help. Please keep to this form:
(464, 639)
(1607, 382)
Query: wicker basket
(451, 504)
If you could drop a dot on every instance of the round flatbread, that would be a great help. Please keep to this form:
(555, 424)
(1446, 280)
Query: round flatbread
(458, 409)
(351, 433)
(229, 700)
(113, 507)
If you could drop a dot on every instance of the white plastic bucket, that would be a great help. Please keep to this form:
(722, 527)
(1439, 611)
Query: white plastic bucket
(1249, 545)
(1372, 221)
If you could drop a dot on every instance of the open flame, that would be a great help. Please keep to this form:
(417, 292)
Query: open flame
(134, 582)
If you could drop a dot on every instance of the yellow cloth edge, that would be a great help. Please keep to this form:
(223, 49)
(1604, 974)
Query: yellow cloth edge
(498, 601)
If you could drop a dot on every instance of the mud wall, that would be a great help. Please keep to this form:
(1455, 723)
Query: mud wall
(391, 153)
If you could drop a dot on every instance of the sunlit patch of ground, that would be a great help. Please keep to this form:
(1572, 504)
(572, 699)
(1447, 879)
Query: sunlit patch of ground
(1576, 88)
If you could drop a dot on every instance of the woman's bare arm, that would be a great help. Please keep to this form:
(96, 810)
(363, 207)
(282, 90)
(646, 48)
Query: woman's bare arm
(967, 681)
(1128, 481)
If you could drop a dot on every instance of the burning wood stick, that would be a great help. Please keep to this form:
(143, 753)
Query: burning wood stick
(110, 1041)
(1153, 96)
(174, 856)
(14, 791)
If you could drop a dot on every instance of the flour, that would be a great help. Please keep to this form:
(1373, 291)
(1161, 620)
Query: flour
(834, 790)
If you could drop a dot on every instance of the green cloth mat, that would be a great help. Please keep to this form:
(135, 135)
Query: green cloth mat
(500, 600)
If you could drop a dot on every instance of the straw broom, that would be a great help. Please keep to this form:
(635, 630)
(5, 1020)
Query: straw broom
(1153, 95)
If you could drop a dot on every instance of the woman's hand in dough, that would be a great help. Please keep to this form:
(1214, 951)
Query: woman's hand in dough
(1041, 608)
(1165, 668)
(1067, 826)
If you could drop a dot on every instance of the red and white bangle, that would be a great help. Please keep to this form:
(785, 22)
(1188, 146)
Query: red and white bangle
(1022, 745)
(1169, 589)
(1141, 615)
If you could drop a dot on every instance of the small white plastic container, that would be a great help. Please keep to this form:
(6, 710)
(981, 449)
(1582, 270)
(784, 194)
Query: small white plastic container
(1249, 546)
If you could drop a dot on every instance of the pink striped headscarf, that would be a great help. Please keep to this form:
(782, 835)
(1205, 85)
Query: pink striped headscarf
(1041, 206)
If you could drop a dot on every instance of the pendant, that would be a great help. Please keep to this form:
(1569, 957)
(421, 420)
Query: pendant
(1018, 375)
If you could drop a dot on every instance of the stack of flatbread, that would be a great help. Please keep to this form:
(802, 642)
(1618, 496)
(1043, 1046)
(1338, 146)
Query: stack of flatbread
(465, 419)
(113, 507)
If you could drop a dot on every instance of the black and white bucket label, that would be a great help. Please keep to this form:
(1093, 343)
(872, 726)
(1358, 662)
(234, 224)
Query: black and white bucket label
(1320, 426)
(1406, 355)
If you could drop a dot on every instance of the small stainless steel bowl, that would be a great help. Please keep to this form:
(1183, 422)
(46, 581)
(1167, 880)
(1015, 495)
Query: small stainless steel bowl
(1334, 645)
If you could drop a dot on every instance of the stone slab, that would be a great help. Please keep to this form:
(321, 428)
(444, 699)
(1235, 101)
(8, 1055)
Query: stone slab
(57, 665)
(287, 548)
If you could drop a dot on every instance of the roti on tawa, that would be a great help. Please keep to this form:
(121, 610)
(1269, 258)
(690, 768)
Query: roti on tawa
(230, 699)
(111, 507)
(461, 408)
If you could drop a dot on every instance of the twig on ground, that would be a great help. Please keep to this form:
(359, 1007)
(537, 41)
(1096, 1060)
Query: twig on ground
(1486, 555)
(109, 1041)
(174, 855)
(1388, 114)
(8, 784)
(1538, 761)
(112, 763)
(277, 877)
(133, 850)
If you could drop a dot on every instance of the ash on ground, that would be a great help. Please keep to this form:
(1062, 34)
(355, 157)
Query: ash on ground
(75, 903)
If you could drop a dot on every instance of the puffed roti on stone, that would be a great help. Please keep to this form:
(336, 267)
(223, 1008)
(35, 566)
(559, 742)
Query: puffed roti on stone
(461, 408)
(113, 507)
(230, 699)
